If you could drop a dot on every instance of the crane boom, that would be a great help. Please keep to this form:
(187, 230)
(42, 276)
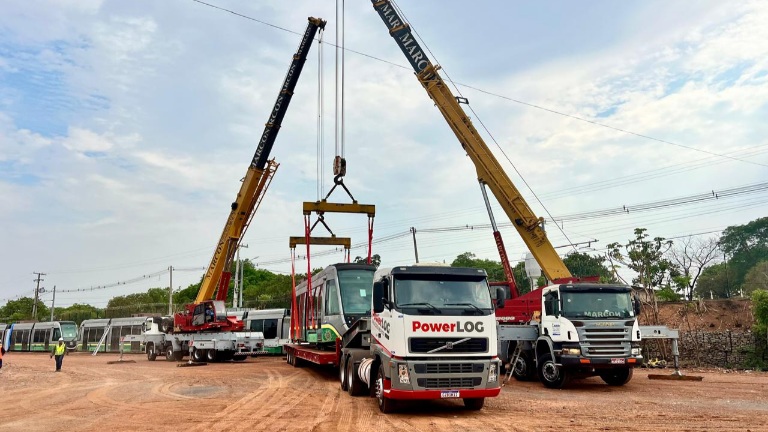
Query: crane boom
(489, 171)
(256, 178)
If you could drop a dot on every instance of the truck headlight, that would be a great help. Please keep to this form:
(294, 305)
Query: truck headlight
(493, 372)
(402, 372)
(571, 351)
(636, 351)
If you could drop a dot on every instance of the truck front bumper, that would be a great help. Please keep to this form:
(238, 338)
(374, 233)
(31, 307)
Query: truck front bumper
(601, 362)
(441, 394)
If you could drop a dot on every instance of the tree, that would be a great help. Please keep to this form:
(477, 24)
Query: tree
(745, 246)
(493, 268)
(691, 255)
(757, 278)
(375, 260)
(715, 281)
(21, 310)
(582, 265)
(646, 257)
(78, 312)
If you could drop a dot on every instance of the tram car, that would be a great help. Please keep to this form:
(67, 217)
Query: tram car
(42, 336)
(275, 324)
(92, 331)
(340, 295)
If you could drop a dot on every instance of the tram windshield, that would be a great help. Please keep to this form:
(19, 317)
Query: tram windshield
(68, 330)
(356, 287)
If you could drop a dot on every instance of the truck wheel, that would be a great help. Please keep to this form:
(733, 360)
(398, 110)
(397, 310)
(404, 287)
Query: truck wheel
(616, 377)
(198, 355)
(550, 375)
(166, 325)
(343, 373)
(524, 369)
(178, 356)
(355, 386)
(211, 355)
(169, 354)
(239, 358)
(474, 404)
(385, 405)
(151, 354)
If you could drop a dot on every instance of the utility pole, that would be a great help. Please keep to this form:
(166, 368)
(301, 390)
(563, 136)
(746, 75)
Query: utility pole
(415, 249)
(53, 302)
(37, 292)
(170, 291)
(237, 296)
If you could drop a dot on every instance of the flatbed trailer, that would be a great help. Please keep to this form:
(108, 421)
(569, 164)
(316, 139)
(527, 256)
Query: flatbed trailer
(295, 353)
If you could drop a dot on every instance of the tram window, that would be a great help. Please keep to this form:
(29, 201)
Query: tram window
(331, 298)
(270, 328)
(56, 334)
(257, 326)
(37, 336)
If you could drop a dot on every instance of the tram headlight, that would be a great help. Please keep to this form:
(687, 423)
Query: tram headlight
(402, 372)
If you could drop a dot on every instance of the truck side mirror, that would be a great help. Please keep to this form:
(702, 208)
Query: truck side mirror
(500, 297)
(636, 305)
(378, 297)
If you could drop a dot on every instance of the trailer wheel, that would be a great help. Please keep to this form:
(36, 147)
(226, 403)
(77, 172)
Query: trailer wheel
(151, 353)
(550, 374)
(355, 385)
(343, 373)
(385, 405)
(474, 404)
(524, 369)
(616, 377)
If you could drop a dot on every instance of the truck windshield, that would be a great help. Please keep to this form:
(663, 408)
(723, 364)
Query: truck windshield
(443, 295)
(68, 330)
(356, 287)
(597, 305)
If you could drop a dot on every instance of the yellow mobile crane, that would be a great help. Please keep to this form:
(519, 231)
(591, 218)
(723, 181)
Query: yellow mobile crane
(209, 315)
(580, 329)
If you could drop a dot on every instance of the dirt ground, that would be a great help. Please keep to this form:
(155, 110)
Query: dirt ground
(268, 394)
(706, 315)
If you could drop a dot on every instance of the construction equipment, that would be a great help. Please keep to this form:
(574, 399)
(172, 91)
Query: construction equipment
(208, 313)
(558, 341)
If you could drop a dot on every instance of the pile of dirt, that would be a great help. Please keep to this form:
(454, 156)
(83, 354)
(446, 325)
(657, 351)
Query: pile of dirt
(704, 315)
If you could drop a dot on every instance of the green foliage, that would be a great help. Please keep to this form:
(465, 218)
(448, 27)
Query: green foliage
(646, 257)
(757, 278)
(583, 264)
(756, 359)
(493, 268)
(375, 260)
(667, 293)
(745, 246)
(78, 313)
(716, 281)
(21, 310)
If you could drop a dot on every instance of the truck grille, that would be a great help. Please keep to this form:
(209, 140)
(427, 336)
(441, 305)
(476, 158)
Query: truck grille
(448, 383)
(424, 345)
(605, 342)
(448, 368)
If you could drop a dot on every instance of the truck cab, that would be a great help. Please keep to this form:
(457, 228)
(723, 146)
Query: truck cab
(433, 335)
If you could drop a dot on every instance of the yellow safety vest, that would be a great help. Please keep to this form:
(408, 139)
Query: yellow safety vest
(60, 349)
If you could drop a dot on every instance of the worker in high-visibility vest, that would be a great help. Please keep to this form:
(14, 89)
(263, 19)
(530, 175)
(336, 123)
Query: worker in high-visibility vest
(58, 351)
(2, 351)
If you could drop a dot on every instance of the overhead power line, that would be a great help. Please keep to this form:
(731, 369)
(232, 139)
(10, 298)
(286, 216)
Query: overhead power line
(508, 98)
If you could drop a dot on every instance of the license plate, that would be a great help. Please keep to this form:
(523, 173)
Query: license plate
(618, 361)
(449, 394)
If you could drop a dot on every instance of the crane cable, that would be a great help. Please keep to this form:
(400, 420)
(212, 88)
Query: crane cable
(483, 124)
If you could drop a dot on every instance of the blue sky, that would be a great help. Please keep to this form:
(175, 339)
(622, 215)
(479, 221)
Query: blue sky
(126, 126)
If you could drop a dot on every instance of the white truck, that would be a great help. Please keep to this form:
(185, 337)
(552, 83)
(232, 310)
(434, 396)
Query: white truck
(431, 335)
(200, 347)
